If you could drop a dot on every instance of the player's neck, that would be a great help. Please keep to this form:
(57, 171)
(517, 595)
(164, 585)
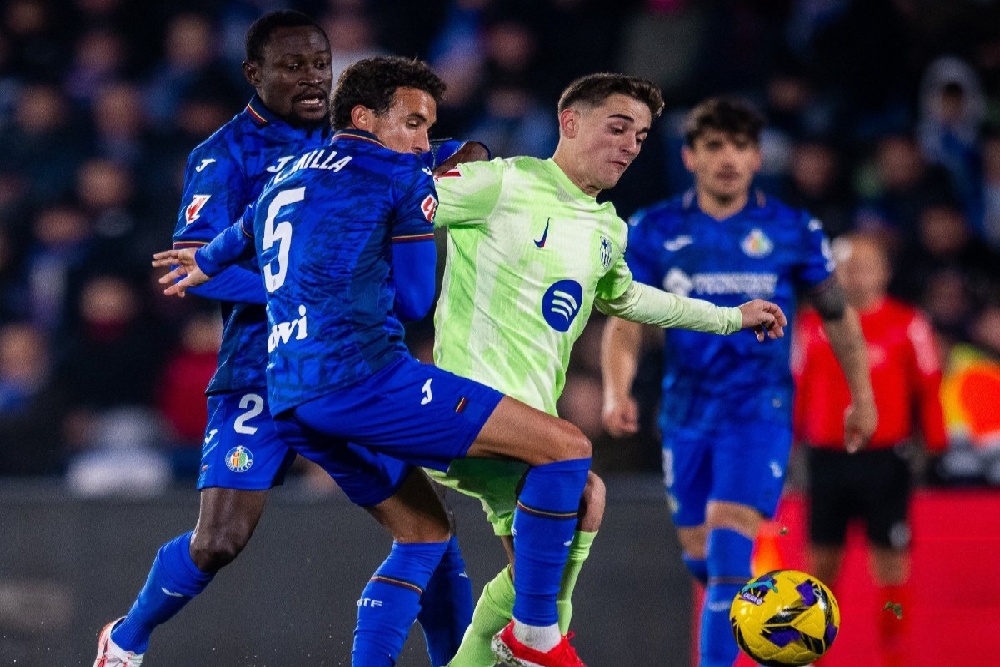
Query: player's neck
(721, 207)
(566, 164)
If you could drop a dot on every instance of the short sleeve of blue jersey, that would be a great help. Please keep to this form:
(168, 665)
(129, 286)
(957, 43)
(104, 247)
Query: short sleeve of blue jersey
(816, 263)
(215, 195)
(640, 253)
(415, 200)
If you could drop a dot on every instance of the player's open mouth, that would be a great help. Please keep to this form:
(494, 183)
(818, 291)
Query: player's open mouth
(311, 102)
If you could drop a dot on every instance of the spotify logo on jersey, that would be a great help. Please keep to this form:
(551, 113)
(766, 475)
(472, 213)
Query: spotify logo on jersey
(561, 304)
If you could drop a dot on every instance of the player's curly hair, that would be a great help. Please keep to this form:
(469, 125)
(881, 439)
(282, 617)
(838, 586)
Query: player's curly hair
(593, 89)
(261, 30)
(372, 83)
(732, 116)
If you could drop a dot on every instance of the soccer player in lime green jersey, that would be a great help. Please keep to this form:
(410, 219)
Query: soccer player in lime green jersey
(530, 253)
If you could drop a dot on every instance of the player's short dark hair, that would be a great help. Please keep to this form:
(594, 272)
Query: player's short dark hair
(592, 89)
(731, 116)
(372, 83)
(261, 30)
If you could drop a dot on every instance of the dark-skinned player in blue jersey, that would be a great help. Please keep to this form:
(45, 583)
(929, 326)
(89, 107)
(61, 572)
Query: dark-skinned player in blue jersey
(288, 64)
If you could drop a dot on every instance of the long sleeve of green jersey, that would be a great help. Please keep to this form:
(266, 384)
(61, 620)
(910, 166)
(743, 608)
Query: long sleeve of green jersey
(648, 305)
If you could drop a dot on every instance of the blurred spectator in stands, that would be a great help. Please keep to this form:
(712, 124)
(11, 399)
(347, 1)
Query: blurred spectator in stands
(32, 404)
(41, 145)
(661, 41)
(190, 57)
(991, 189)
(945, 243)
(98, 59)
(58, 252)
(12, 292)
(457, 54)
(108, 193)
(576, 37)
(900, 187)
(948, 302)
(110, 369)
(514, 122)
(36, 51)
(119, 127)
(352, 36)
(180, 391)
(10, 83)
(952, 110)
(873, 485)
(817, 184)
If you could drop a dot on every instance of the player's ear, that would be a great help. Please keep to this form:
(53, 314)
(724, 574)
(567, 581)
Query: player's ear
(569, 123)
(687, 156)
(362, 117)
(251, 72)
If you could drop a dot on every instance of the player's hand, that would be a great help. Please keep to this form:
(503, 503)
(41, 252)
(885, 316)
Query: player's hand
(765, 318)
(860, 420)
(471, 151)
(185, 272)
(621, 416)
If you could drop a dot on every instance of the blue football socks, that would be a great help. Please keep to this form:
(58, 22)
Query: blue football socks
(446, 606)
(544, 523)
(698, 567)
(391, 600)
(173, 581)
(728, 570)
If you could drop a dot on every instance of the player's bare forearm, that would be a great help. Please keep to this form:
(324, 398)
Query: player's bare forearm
(620, 347)
(848, 343)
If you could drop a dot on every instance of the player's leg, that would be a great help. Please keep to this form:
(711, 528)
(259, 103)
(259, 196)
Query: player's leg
(401, 498)
(234, 480)
(888, 486)
(687, 476)
(544, 520)
(748, 471)
(494, 609)
(832, 498)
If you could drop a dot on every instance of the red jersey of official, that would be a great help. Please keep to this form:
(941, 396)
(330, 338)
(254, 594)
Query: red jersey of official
(905, 373)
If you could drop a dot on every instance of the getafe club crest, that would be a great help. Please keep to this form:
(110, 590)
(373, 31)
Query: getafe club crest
(756, 244)
(605, 252)
(239, 459)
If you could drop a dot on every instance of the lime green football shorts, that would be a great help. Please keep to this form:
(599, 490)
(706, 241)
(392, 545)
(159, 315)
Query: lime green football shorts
(493, 482)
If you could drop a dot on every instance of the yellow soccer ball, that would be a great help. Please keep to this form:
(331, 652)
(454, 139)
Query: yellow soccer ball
(785, 617)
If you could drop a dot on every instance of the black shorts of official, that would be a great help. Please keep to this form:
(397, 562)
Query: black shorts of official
(872, 486)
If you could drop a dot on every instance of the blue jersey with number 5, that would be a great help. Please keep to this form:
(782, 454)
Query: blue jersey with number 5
(323, 230)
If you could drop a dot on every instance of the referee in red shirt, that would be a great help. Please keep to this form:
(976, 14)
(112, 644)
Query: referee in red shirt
(873, 485)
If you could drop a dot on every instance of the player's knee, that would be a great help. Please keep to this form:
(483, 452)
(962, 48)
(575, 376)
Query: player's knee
(213, 550)
(592, 503)
(571, 444)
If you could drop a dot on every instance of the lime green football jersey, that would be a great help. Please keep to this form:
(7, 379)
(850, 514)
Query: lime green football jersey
(528, 253)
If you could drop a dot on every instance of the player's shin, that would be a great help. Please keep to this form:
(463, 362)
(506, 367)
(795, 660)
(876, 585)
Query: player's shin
(173, 581)
(728, 570)
(446, 606)
(492, 614)
(390, 602)
(544, 523)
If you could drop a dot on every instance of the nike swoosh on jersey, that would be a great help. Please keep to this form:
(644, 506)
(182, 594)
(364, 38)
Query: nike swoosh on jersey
(540, 243)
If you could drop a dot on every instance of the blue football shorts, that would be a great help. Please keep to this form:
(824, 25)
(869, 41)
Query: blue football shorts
(242, 449)
(367, 436)
(742, 463)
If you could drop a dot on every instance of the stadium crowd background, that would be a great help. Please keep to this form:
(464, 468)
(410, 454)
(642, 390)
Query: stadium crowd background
(884, 115)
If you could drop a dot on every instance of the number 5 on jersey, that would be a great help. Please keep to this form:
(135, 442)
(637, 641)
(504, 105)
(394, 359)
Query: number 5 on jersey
(280, 233)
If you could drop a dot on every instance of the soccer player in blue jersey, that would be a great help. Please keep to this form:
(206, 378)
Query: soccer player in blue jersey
(341, 234)
(288, 64)
(726, 410)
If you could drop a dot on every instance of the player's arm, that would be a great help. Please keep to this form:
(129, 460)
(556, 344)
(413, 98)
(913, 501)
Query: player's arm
(926, 382)
(415, 285)
(621, 345)
(414, 252)
(468, 193)
(194, 264)
(843, 329)
(447, 154)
